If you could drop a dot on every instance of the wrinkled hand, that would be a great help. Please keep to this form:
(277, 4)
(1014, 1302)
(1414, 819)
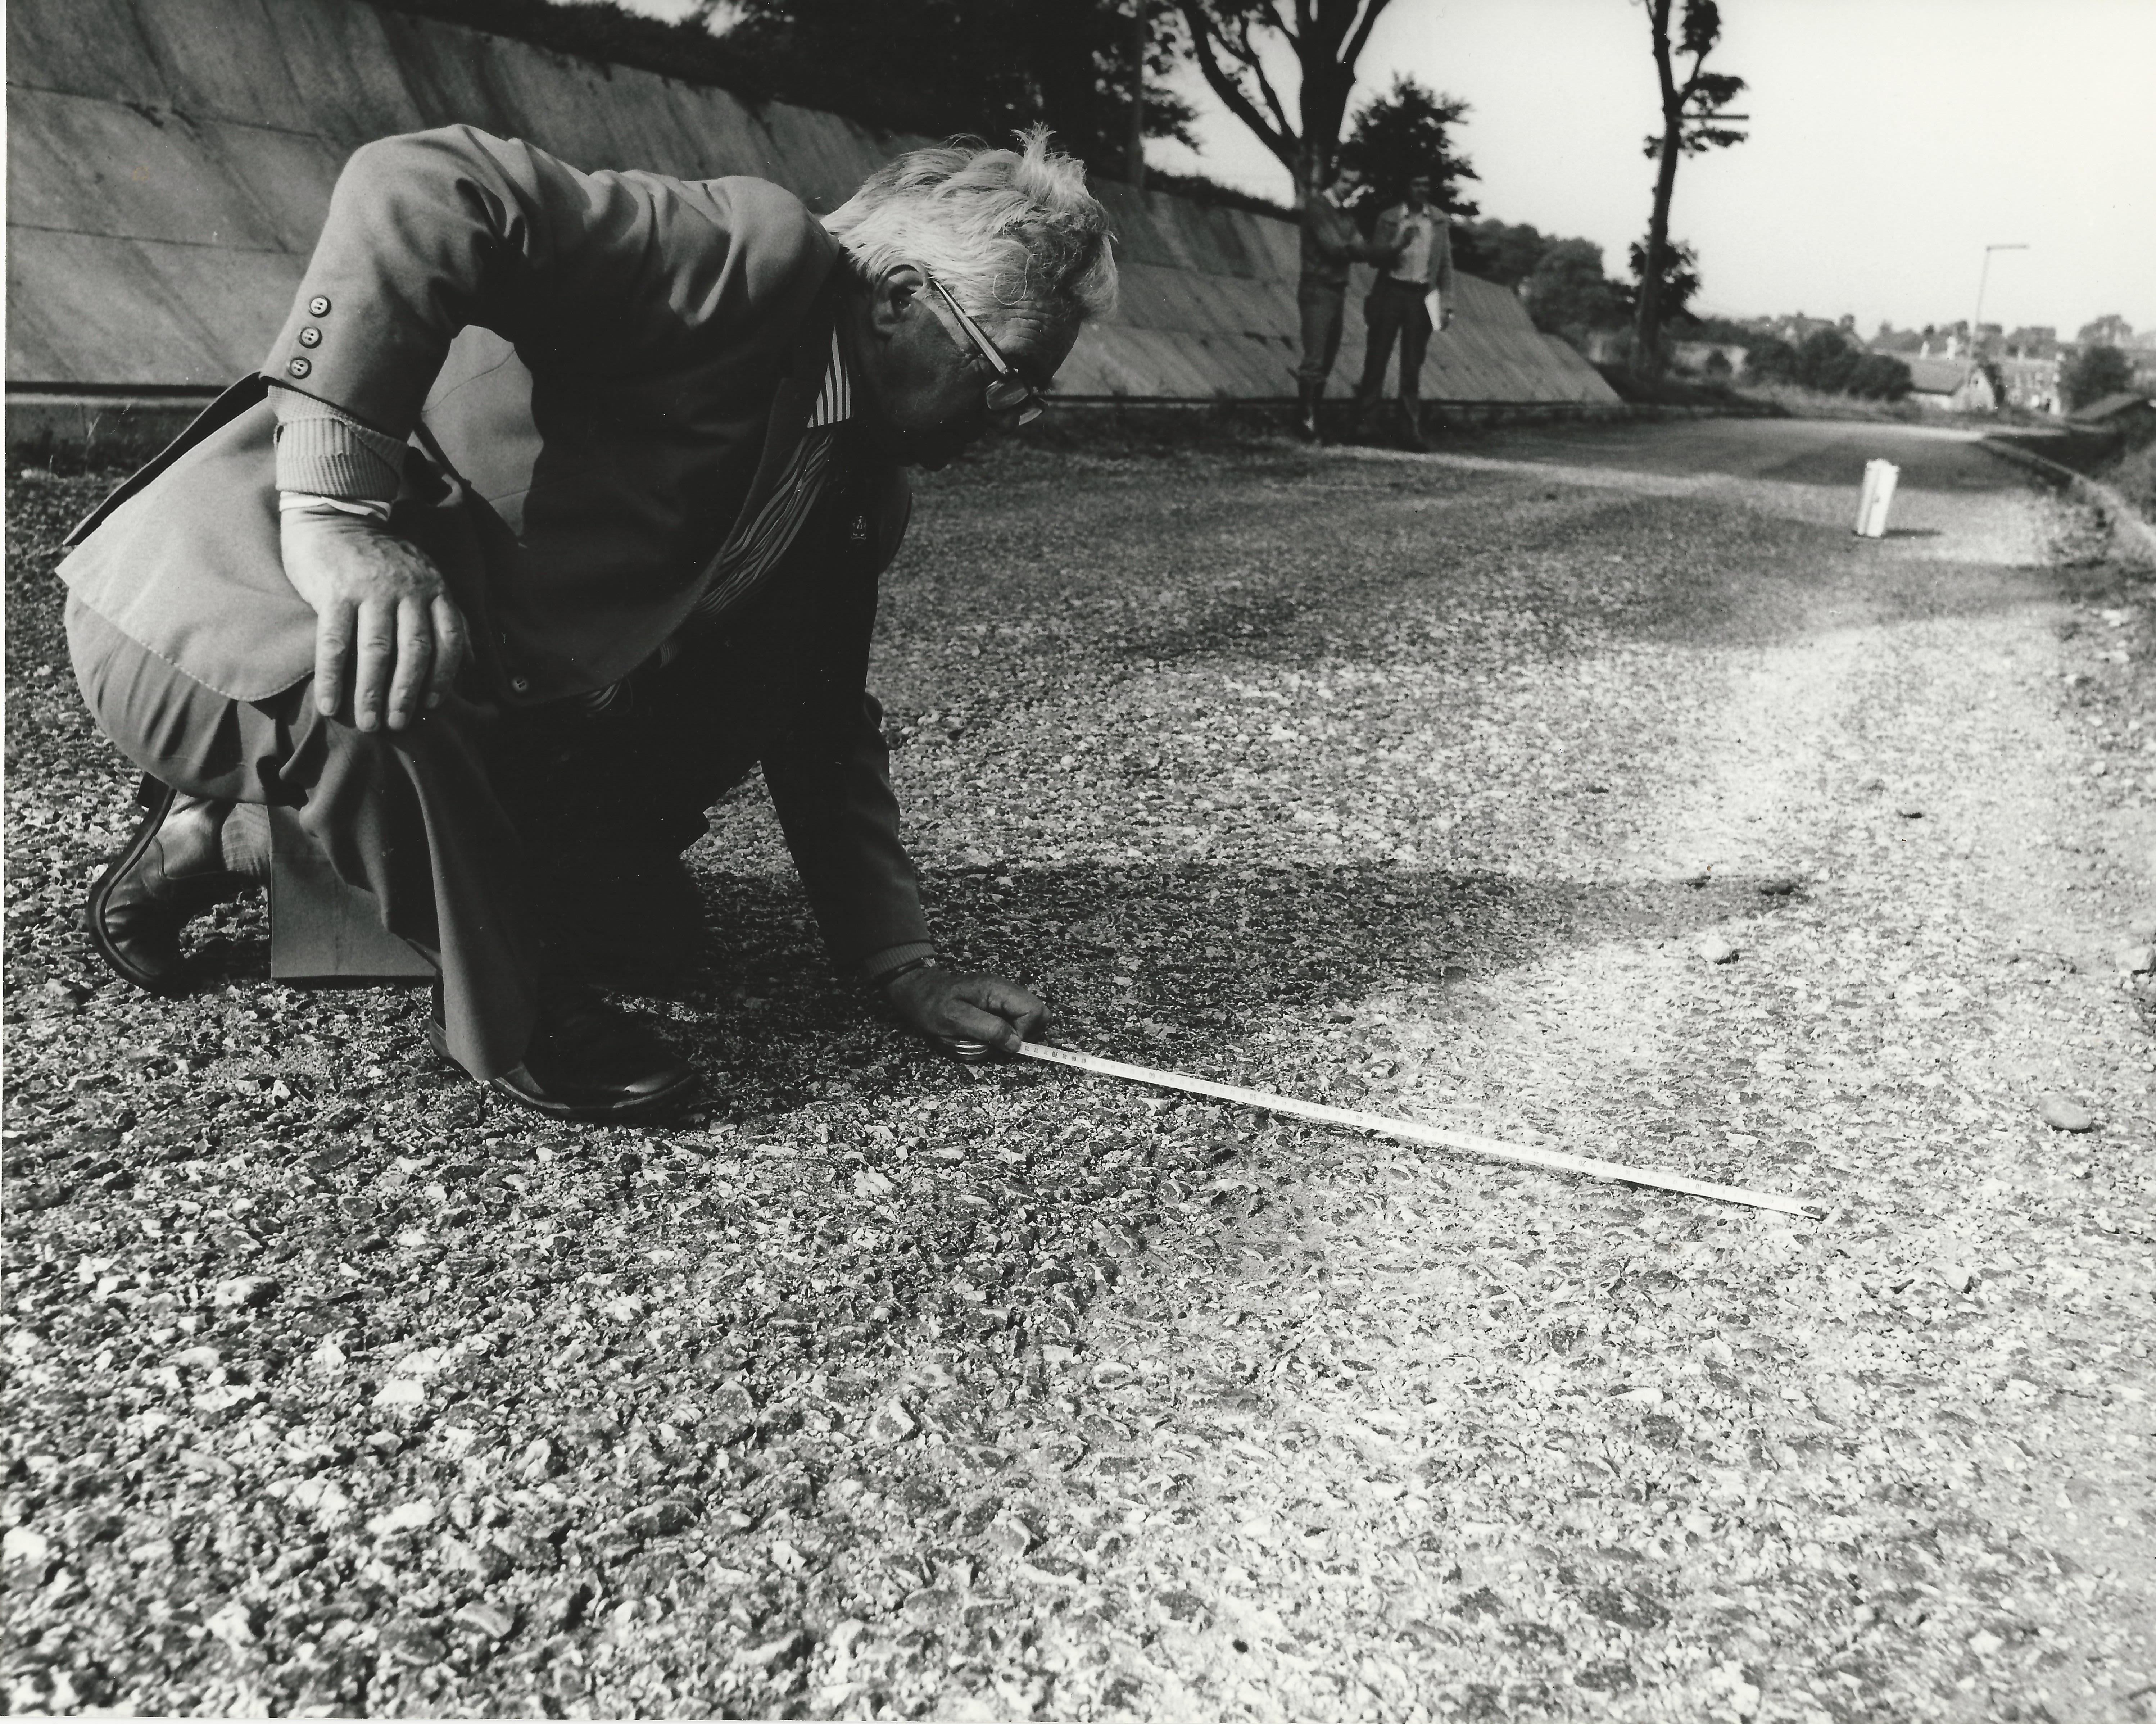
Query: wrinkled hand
(386, 632)
(946, 1007)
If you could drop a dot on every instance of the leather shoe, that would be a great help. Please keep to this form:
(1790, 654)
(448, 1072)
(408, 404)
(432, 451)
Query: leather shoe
(586, 1060)
(169, 872)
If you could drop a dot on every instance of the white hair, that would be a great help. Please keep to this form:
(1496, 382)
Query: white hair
(999, 228)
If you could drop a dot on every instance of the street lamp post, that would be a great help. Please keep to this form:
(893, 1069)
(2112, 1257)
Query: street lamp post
(1982, 277)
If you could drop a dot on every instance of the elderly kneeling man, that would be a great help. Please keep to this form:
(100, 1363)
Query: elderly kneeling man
(558, 508)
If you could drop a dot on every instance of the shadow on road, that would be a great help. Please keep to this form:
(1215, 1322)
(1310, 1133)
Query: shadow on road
(1165, 964)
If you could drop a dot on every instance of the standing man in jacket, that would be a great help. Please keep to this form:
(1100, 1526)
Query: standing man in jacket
(559, 506)
(1420, 239)
(1331, 244)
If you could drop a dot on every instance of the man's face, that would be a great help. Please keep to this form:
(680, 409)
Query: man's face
(927, 381)
(1347, 181)
(1419, 191)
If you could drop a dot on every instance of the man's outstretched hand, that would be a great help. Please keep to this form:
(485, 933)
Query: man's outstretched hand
(387, 632)
(967, 1008)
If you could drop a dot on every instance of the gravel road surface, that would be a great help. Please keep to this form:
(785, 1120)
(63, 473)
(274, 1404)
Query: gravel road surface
(1591, 787)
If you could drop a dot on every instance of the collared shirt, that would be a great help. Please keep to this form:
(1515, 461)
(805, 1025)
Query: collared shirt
(1419, 229)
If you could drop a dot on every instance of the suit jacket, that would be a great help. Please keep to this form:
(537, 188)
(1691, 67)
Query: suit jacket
(1331, 243)
(608, 369)
(599, 374)
(1387, 235)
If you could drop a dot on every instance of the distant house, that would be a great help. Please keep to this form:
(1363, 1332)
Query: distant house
(1953, 384)
(2031, 382)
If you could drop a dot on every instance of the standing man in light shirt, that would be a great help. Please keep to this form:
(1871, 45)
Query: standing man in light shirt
(1418, 238)
(1331, 244)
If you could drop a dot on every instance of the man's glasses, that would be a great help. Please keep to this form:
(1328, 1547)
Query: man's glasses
(1008, 392)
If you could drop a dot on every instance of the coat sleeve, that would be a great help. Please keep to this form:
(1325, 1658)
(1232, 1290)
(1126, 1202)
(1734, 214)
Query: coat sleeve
(832, 790)
(830, 777)
(1383, 237)
(1334, 235)
(433, 231)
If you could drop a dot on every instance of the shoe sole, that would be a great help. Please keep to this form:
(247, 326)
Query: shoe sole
(155, 809)
(636, 1108)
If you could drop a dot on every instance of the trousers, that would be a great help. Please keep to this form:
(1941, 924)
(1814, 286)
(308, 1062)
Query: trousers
(1323, 306)
(412, 816)
(1394, 310)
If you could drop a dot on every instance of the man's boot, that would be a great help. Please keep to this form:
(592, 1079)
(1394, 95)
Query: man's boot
(1307, 396)
(187, 856)
(1412, 433)
(586, 1060)
(1359, 419)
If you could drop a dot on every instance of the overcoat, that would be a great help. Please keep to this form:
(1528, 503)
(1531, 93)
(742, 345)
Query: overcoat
(598, 373)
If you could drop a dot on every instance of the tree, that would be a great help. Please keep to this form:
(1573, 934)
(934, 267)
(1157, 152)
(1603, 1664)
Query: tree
(1825, 362)
(2094, 373)
(1770, 360)
(986, 67)
(1406, 132)
(1879, 376)
(1325, 38)
(1567, 295)
(2108, 331)
(1680, 280)
(1694, 121)
(1499, 252)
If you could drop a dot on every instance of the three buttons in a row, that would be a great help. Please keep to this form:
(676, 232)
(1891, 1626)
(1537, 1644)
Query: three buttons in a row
(300, 364)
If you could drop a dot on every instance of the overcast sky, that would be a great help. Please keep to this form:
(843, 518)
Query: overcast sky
(1891, 141)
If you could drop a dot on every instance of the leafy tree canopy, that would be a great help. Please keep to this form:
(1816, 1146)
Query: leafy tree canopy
(1879, 376)
(1406, 132)
(1503, 252)
(2108, 331)
(1770, 360)
(936, 67)
(986, 67)
(1568, 293)
(2093, 374)
(1680, 281)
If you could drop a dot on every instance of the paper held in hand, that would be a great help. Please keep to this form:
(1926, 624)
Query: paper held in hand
(1409, 1130)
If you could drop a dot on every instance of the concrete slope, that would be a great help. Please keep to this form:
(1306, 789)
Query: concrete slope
(169, 162)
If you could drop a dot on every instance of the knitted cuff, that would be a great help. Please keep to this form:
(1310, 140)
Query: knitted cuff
(327, 454)
(881, 966)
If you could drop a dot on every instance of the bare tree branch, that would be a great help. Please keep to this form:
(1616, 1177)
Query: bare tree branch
(1251, 57)
(1206, 41)
(1361, 39)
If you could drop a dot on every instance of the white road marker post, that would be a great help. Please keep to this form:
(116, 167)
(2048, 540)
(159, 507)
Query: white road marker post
(1876, 499)
(1412, 1131)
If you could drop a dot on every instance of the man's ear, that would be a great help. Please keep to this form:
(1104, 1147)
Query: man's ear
(892, 296)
